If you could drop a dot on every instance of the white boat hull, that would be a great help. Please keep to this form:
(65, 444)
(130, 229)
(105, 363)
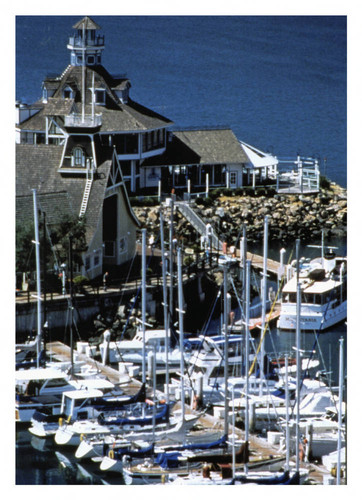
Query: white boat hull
(311, 319)
(72, 435)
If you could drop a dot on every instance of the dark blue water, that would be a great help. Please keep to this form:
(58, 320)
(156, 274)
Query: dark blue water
(278, 81)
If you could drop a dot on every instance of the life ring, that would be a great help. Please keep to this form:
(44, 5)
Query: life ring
(111, 454)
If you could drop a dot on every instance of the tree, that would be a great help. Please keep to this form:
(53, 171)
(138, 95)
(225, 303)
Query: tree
(57, 243)
(25, 256)
(60, 234)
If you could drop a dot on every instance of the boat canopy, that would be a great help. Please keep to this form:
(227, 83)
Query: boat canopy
(310, 286)
(39, 374)
(98, 383)
(83, 394)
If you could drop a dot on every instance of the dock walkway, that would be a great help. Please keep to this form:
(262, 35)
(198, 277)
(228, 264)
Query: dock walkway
(61, 352)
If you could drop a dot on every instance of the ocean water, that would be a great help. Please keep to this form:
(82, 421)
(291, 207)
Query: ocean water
(278, 81)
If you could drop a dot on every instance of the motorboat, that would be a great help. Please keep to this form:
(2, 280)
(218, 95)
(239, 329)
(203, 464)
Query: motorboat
(131, 351)
(323, 294)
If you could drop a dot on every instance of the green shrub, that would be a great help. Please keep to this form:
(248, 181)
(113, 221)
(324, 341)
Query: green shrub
(81, 280)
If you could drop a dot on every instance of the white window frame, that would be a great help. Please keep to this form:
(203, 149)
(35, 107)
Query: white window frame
(78, 153)
(233, 178)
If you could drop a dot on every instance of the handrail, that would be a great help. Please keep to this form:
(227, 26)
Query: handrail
(196, 221)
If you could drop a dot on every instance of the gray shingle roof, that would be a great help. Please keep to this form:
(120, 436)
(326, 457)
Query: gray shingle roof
(213, 146)
(115, 115)
(36, 168)
(87, 23)
(197, 147)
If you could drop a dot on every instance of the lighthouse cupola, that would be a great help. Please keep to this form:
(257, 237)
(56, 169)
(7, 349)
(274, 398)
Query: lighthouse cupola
(86, 45)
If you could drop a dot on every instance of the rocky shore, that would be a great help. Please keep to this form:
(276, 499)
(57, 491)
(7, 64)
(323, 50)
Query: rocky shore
(290, 216)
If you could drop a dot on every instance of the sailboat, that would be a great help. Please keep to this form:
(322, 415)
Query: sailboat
(95, 397)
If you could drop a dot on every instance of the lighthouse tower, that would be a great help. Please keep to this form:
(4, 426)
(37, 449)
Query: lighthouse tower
(86, 46)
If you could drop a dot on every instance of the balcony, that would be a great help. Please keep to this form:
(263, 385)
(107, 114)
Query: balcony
(83, 121)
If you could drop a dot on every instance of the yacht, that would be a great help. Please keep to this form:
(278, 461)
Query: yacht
(323, 294)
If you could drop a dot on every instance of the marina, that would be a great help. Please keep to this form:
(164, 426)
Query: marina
(176, 321)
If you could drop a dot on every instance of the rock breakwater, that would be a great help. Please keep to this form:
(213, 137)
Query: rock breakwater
(290, 216)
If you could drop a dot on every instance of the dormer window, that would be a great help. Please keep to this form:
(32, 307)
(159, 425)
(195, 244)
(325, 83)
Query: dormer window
(100, 96)
(78, 157)
(67, 93)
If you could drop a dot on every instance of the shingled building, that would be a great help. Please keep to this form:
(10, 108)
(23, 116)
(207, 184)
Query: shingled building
(86, 145)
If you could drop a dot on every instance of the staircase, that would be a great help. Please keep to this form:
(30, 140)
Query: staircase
(87, 189)
(198, 224)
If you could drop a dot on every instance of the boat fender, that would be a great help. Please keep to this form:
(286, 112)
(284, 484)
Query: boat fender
(111, 454)
(60, 422)
(82, 437)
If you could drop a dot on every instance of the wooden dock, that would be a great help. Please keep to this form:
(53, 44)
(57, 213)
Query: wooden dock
(61, 352)
(259, 447)
(257, 261)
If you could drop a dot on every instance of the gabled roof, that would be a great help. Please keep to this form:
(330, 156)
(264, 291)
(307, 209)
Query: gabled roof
(36, 168)
(213, 146)
(177, 153)
(204, 147)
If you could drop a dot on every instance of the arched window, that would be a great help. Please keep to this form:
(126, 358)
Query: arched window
(78, 157)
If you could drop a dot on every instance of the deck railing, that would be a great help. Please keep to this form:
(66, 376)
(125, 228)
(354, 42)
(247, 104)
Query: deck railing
(79, 120)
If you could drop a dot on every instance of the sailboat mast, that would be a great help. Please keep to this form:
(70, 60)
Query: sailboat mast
(171, 247)
(93, 103)
(287, 433)
(165, 308)
(181, 329)
(71, 304)
(243, 261)
(264, 297)
(38, 281)
(143, 306)
(226, 352)
(297, 396)
(339, 442)
(247, 344)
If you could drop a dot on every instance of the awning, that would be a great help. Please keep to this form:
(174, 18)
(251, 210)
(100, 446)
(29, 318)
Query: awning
(257, 158)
